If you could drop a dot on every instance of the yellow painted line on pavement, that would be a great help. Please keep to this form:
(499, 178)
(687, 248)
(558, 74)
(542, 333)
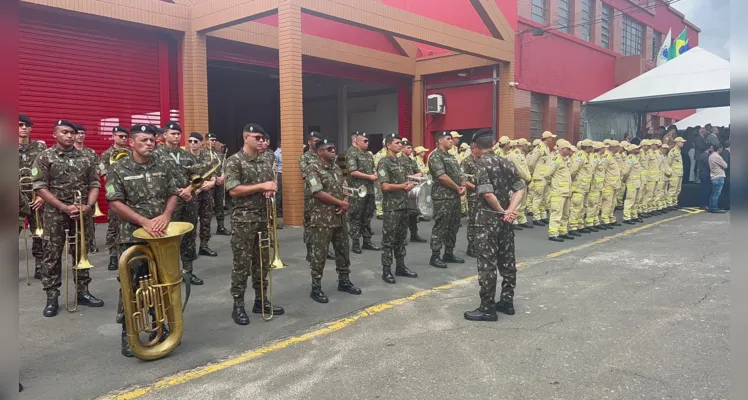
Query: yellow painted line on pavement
(189, 375)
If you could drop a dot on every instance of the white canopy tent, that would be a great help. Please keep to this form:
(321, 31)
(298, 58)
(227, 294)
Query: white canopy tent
(695, 79)
(718, 116)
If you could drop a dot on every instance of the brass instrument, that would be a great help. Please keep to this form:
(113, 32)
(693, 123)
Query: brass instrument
(26, 186)
(196, 181)
(360, 191)
(264, 242)
(117, 155)
(97, 211)
(159, 290)
(22, 225)
(78, 239)
(417, 180)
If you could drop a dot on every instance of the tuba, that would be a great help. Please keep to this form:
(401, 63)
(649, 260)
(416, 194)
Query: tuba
(159, 290)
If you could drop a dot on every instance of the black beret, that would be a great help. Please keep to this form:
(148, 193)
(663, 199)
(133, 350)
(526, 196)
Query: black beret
(210, 135)
(324, 142)
(315, 134)
(64, 122)
(120, 129)
(171, 125)
(393, 136)
(482, 132)
(362, 134)
(196, 136)
(442, 134)
(406, 142)
(254, 128)
(138, 128)
(355, 133)
(25, 118)
(80, 128)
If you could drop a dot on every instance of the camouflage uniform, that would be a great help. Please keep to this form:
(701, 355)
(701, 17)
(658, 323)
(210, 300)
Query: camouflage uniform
(182, 164)
(362, 209)
(113, 220)
(62, 173)
(27, 153)
(204, 199)
(307, 158)
(395, 208)
(412, 169)
(446, 202)
(494, 238)
(377, 187)
(470, 166)
(325, 226)
(219, 197)
(89, 219)
(248, 218)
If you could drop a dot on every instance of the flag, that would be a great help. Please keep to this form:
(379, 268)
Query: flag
(680, 45)
(664, 55)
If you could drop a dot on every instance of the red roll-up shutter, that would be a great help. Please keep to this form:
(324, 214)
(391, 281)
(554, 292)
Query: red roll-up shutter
(90, 72)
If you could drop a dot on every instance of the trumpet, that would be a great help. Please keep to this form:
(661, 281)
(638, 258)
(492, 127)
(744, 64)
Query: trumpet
(360, 191)
(265, 241)
(77, 238)
(416, 180)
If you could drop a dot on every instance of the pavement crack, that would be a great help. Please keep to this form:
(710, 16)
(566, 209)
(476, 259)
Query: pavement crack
(627, 372)
(550, 323)
(659, 277)
(712, 288)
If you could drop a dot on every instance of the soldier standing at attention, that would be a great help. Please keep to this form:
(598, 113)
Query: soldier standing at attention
(182, 164)
(91, 154)
(219, 191)
(120, 135)
(502, 146)
(611, 184)
(592, 205)
(653, 175)
(250, 183)
(328, 206)
(307, 158)
(518, 156)
(675, 160)
(393, 171)
(58, 173)
(496, 179)
(28, 150)
(361, 172)
(413, 169)
(581, 173)
(382, 153)
(204, 199)
(141, 192)
(631, 175)
(537, 161)
(665, 174)
(469, 166)
(560, 176)
(448, 187)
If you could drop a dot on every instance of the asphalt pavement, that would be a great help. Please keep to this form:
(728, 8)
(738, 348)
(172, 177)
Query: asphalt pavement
(640, 315)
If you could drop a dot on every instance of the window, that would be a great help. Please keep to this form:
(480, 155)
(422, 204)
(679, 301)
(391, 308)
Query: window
(606, 21)
(586, 28)
(536, 115)
(632, 37)
(540, 11)
(564, 16)
(656, 43)
(562, 113)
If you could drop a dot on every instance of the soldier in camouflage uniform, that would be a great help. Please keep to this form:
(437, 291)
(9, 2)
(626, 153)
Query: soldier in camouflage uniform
(141, 191)
(250, 183)
(414, 170)
(327, 224)
(382, 153)
(119, 135)
(91, 155)
(219, 192)
(309, 156)
(58, 173)
(448, 188)
(499, 189)
(183, 164)
(393, 172)
(361, 172)
(28, 150)
(469, 166)
(204, 198)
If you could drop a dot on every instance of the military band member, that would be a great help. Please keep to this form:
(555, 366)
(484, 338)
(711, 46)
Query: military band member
(361, 172)
(28, 150)
(80, 137)
(469, 166)
(141, 191)
(415, 170)
(183, 164)
(58, 173)
(219, 191)
(250, 183)
(327, 224)
(393, 172)
(560, 189)
(204, 199)
(309, 156)
(448, 187)
(631, 175)
(382, 153)
(120, 135)
(499, 189)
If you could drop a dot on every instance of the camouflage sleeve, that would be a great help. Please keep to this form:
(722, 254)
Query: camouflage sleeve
(233, 173)
(92, 176)
(436, 166)
(483, 183)
(351, 161)
(171, 184)
(115, 188)
(40, 172)
(383, 170)
(515, 178)
(313, 178)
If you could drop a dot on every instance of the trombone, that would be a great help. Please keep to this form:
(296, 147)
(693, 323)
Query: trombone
(26, 186)
(78, 239)
(360, 191)
(265, 241)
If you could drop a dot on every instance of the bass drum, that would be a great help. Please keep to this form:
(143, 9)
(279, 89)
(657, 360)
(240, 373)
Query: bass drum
(419, 198)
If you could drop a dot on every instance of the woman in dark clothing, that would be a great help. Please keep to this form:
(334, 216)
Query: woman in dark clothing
(688, 135)
(706, 181)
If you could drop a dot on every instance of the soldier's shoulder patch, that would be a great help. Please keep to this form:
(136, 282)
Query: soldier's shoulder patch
(109, 189)
(382, 172)
(630, 161)
(553, 163)
(34, 171)
(101, 165)
(579, 159)
(313, 181)
(596, 161)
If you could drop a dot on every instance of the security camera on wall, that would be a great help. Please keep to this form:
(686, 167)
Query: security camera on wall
(435, 104)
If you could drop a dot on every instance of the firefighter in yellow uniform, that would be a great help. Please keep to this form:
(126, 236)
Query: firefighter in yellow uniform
(420, 156)
(675, 160)
(560, 188)
(537, 162)
(528, 156)
(581, 175)
(611, 184)
(665, 174)
(653, 175)
(592, 205)
(502, 146)
(631, 176)
(621, 157)
(641, 196)
(455, 139)
(518, 157)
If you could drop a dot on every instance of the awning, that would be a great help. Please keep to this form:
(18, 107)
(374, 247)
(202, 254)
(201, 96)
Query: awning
(695, 79)
(718, 116)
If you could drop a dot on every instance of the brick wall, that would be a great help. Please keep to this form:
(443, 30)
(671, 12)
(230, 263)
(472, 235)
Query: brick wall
(194, 82)
(522, 114)
(507, 95)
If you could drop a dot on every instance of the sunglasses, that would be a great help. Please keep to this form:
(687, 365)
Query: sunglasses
(194, 141)
(259, 138)
(365, 140)
(212, 140)
(122, 136)
(23, 125)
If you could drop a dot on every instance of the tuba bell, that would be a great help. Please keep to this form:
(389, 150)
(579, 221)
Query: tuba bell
(157, 301)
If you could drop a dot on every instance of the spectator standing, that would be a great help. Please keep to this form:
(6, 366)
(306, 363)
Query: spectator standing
(717, 167)
(704, 178)
(700, 146)
(712, 138)
(724, 201)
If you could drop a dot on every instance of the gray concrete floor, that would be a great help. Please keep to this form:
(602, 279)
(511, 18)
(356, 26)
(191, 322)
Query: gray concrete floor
(639, 316)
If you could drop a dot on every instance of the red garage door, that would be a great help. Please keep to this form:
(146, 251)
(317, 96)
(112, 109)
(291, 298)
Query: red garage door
(95, 73)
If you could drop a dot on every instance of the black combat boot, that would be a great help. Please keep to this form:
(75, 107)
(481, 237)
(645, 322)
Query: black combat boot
(506, 307)
(239, 315)
(593, 229)
(257, 307)
(527, 225)
(575, 233)
(567, 237)
(449, 257)
(125, 350)
(629, 221)
(318, 295)
(345, 285)
(436, 261)
(195, 280)
(402, 270)
(87, 299)
(356, 247)
(537, 223)
(471, 251)
(206, 251)
(556, 239)
(50, 310)
(485, 312)
(616, 223)
(113, 263)
(368, 245)
(517, 227)
(221, 230)
(387, 275)
(417, 239)
(584, 230)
